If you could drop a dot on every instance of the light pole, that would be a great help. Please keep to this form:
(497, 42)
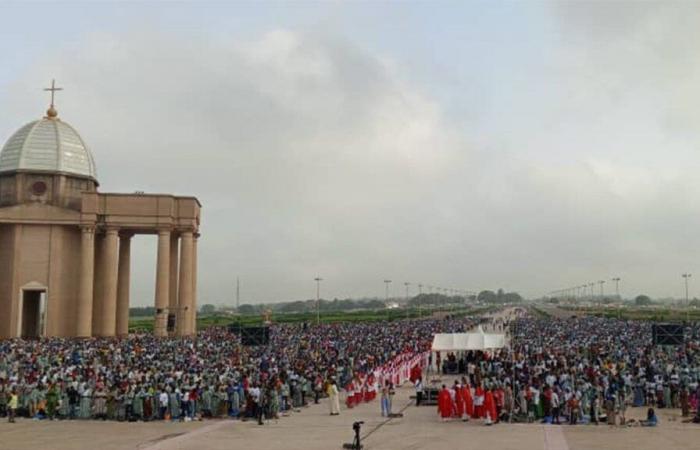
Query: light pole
(386, 297)
(617, 286)
(408, 311)
(318, 299)
(601, 283)
(420, 300)
(687, 303)
(590, 285)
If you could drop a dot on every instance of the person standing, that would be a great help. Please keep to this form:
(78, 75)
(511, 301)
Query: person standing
(490, 407)
(100, 404)
(334, 398)
(684, 401)
(622, 405)
(12, 406)
(419, 391)
(468, 401)
(163, 401)
(52, 398)
(610, 408)
(444, 404)
(458, 400)
(555, 402)
(387, 394)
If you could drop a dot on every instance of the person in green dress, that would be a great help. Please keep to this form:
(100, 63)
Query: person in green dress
(52, 398)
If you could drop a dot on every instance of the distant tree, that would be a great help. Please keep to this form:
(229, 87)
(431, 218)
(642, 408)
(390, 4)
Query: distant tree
(289, 307)
(487, 297)
(500, 296)
(512, 297)
(207, 309)
(246, 309)
(142, 311)
(642, 300)
(694, 302)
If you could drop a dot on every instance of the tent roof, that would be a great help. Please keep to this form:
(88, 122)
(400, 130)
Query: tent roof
(468, 341)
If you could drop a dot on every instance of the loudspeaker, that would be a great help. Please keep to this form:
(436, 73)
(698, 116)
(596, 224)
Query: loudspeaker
(255, 336)
(667, 334)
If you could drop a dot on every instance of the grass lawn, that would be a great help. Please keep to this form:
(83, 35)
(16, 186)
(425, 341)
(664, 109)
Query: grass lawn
(146, 323)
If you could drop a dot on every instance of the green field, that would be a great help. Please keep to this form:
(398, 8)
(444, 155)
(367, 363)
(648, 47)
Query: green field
(657, 314)
(137, 324)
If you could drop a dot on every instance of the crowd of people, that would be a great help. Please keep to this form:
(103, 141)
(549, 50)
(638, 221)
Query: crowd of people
(211, 375)
(573, 370)
(576, 370)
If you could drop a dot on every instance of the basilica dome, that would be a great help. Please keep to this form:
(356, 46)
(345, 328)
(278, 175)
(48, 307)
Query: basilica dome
(48, 145)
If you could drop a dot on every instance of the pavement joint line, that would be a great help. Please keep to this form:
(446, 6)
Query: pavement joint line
(381, 424)
(167, 443)
(554, 438)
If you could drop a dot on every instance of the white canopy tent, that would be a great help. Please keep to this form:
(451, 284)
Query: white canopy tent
(478, 340)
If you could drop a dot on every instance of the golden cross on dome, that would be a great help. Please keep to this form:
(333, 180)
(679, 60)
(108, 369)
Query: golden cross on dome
(53, 90)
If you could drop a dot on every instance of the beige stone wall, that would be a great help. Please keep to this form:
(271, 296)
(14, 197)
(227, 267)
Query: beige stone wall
(7, 286)
(64, 281)
(39, 256)
(41, 240)
(8, 190)
(61, 190)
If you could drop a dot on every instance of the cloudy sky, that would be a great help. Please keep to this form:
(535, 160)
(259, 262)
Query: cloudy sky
(471, 145)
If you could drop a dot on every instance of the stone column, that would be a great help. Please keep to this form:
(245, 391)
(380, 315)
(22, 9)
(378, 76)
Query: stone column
(162, 283)
(173, 305)
(193, 316)
(124, 284)
(87, 273)
(185, 288)
(110, 255)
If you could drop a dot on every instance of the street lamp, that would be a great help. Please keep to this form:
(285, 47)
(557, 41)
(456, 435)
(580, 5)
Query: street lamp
(318, 299)
(407, 310)
(601, 283)
(687, 303)
(617, 286)
(386, 297)
(420, 300)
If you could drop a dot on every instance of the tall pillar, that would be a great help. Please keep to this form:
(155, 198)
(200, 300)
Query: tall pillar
(123, 284)
(87, 273)
(98, 284)
(185, 282)
(162, 283)
(193, 316)
(110, 255)
(174, 265)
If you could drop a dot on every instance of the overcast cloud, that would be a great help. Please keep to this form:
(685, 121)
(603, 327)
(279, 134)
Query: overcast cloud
(314, 154)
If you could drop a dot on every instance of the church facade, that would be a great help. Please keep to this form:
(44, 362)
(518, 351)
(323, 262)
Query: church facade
(65, 246)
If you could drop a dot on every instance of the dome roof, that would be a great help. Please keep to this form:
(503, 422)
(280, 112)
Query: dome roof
(48, 145)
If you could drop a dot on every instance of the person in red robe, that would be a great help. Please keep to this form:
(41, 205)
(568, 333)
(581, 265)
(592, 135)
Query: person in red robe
(350, 399)
(478, 402)
(499, 398)
(459, 400)
(416, 373)
(468, 401)
(490, 407)
(444, 403)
